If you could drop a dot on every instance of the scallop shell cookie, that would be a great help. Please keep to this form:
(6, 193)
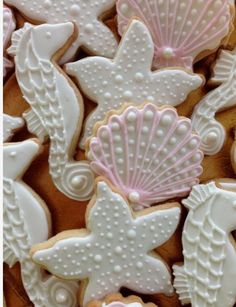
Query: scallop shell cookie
(115, 250)
(26, 221)
(148, 153)
(181, 30)
(93, 36)
(209, 270)
(117, 300)
(129, 78)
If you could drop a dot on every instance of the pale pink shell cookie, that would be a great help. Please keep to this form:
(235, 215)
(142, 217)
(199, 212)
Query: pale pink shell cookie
(180, 29)
(8, 27)
(150, 154)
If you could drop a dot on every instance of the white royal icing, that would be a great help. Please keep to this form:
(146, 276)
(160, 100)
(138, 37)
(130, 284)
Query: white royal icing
(93, 34)
(26, 222)
(56, 106)
(209, 271)
(117, 250)
(128, 78)
(233, 153)
(10, 125)
(223, 97)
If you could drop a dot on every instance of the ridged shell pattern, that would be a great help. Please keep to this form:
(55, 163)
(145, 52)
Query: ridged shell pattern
(180, 29)
(150, 154)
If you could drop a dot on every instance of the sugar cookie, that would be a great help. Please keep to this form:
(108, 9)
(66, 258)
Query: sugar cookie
(94, 35)
(181, 30)
(128, 78)
(211, 131)
(10, 125)
(206, 278)
(117, 300)
(27, 222)
(115, 250)
(56, 105)
(9, 25)
(148, 153)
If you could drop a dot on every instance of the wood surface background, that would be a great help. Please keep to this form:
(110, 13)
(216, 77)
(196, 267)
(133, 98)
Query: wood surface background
(68, 214)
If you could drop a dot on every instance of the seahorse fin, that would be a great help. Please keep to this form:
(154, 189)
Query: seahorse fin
(8, 255)
(224, 67)
(181, 284)
(199, 194)
(35, 125)
(16, 38)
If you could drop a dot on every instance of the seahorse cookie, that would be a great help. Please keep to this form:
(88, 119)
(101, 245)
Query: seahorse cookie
(209, 270)
(56, 105)
(183, 31)
(11, 124)
(26, 221)
(94, 36)
(115, 250)
(129, 78)
(212, 133)
(9, 25)
(150, 154)
(117, 300)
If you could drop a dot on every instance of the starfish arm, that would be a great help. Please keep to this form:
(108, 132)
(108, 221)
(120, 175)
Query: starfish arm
(136, 41)
(99, 40)
(153, 277)
(31, 11)
(109, 205)
(66, 259)
(92, 74)
(106, 5)
(174, 86)
(157, 227)
(98, 290)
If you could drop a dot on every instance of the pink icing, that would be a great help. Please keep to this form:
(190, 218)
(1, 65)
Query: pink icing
(150, 154)
(8, 27)
(180, 29)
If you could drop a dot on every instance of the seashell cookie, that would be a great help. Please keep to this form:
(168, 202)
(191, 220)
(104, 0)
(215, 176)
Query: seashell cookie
(115, 250)
(182, 30)
(223, 97)
(117, 300)
(209, 269)
(26, 221)
(93, 35)
(56, 106)
(9, 25)
(10, 125)
(129, 78)
(148, 153)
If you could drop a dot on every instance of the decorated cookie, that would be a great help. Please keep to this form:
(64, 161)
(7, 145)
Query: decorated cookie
(8, 27)
(115, 250)
(206, 278)
(181, 29)
(94, 35)
(56, 105)
(233, 153)
(128, 78)
(26, 221)
(148, 153)
(10, 125)
(211, 131)
(117, 300)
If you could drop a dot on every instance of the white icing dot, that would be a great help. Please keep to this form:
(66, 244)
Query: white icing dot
(166, 120)
(74, 9)
(88, 27)
(211, 138)
(139, 265)
(128, 94)
(47, 4)
(168, 53)
(61, 296)
(124, 8)
(138, 77)
(13, 154)
(148, 115)
(98, 258)
(131, 234)
(182, 129)
(117, 269)
(119, 78)
(77, 182)
(118, 250)
(131, 116)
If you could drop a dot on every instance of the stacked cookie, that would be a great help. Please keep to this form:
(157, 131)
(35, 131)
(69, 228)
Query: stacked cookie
(116, 202)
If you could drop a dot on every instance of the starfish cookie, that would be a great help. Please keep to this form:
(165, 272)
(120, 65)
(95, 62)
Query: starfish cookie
(94, 36)
(128, 77)
(10, 125)
(115, 251)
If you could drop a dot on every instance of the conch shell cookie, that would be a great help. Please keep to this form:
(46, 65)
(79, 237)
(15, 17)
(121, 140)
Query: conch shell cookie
(148, 153)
